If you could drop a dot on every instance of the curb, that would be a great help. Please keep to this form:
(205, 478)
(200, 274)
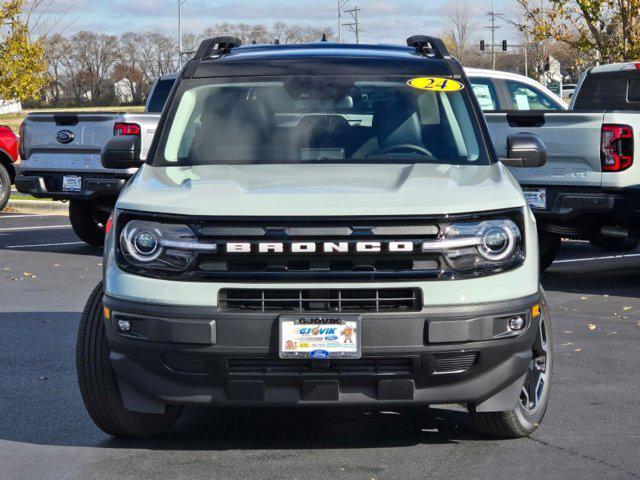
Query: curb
(41, 207)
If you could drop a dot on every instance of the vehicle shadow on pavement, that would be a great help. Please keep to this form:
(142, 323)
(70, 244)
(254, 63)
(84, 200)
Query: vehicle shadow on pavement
(308, 428)
(76, 249)
(40, 404)
(619, 279)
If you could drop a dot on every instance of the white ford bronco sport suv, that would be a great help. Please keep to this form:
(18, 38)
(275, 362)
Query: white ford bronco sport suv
(319, 224)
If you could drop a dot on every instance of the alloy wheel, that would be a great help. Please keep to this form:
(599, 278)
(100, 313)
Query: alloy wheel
(537, 377)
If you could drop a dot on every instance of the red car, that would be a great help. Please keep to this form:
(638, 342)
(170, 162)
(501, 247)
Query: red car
(8, 156)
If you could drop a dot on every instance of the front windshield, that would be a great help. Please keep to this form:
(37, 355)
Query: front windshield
(319, 119)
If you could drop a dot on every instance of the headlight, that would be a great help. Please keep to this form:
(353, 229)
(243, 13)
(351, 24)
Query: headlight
(160, 246)
(478, 245)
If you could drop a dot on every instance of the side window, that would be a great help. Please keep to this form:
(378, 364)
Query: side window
(633, 90)
(159, 95)
(525, 97)
(485, 92)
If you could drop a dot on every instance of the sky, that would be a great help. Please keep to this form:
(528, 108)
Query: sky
(382, 21)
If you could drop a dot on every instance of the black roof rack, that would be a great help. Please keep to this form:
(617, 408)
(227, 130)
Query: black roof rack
(435, 48)
(431, 46)
(216, 46)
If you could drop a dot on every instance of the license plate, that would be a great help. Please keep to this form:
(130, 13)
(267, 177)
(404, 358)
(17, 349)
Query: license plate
(72, 183)
(536, 197)
(320, 336)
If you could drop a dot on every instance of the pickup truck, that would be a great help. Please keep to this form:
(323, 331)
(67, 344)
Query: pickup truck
(8, 156)
(589, 188)
(61, 158)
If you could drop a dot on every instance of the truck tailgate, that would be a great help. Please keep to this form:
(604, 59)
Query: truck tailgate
(69, 142)
(572, 140)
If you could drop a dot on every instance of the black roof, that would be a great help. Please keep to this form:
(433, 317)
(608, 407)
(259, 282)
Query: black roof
(323, 58)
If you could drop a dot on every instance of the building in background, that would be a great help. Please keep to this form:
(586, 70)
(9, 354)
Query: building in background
(10, 106)
(124, 90)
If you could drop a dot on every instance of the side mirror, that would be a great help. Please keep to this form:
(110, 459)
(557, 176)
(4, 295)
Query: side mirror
(525, 150)
(121, 152)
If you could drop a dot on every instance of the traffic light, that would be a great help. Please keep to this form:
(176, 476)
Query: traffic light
(504, 45)
(482, 45)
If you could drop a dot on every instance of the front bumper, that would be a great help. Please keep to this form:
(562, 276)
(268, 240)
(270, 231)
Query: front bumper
(49, 185)
(200, 355)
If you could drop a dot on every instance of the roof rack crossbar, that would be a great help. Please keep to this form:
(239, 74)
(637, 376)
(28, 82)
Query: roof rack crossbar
(430, 46)
(216, 46)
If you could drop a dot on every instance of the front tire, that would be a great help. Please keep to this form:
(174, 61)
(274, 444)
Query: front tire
(523, 420)
(5, 187)
(99, 386)
(85, 221)
(549, 248)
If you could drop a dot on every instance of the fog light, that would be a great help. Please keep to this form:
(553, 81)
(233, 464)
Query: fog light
(516, 323)
(124, 325)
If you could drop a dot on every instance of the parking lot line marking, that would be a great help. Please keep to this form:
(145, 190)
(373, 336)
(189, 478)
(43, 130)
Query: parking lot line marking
(44, 245)
(590, 259)
(11, 215)
(14, 229)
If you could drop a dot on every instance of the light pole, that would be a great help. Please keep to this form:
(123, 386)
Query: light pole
(180, 3)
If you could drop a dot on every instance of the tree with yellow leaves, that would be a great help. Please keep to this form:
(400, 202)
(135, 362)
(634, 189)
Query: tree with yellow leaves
(604, 29)
(22, 65)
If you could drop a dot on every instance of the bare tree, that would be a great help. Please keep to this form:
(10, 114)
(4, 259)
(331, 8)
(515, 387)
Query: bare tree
(157, 56)
(91, 62)
(459, 29)
(129, 65)
(56, 49)
(95, 54)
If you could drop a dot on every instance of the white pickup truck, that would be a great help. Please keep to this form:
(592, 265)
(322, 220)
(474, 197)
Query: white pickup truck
(590, 186)
(60, 158)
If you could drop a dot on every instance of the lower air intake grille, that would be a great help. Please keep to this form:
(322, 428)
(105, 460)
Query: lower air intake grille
(278, 367)
(455, 362)
(321, 300)
(184, 363)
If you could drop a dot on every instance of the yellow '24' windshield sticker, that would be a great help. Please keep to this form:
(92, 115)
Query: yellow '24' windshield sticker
(436, 84)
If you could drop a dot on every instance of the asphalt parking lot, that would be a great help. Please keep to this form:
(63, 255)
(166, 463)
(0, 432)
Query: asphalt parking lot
(592, 427)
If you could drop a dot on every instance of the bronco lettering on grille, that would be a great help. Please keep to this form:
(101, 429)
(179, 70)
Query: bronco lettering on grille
(325, 247)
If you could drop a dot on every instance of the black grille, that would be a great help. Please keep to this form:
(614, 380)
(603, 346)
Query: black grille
(317, 264)
(184, 363)
(321, 300)
(279, 367)
(456, 362)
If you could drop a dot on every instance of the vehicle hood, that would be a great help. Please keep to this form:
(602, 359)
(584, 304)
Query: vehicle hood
(321, 190)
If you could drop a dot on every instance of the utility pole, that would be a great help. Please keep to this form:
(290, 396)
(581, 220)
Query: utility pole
(180, 3)
(355, 25)
(341, 3)
(526, 54)
(493, 27)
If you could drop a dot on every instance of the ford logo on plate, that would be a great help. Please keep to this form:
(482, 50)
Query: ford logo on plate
(65, 136)
(319, 354)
